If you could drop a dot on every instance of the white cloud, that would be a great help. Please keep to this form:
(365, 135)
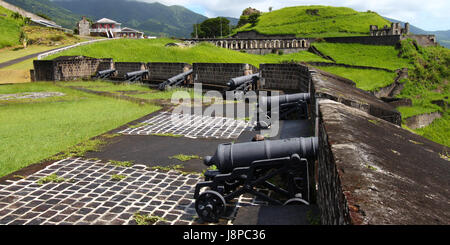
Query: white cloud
(429, 14)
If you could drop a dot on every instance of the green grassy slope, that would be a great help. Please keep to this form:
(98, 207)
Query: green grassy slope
(10, 28)
(327, 21)
(364, 55)
(155, 51)
(59, 15)
(428, 69)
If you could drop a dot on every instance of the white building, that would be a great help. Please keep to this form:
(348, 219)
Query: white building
(110, 28)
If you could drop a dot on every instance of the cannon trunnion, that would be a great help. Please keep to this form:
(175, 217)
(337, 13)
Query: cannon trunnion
(247, 167)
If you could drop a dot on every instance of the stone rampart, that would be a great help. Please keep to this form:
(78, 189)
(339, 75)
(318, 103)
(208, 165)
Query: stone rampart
(160, 71)
(220, 73)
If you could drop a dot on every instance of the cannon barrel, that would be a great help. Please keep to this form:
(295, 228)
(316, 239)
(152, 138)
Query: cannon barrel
(104, 72)
(230, 156)
(237, 81)
(284, 99)
(135, 73)
(180, 76)
(175, 79)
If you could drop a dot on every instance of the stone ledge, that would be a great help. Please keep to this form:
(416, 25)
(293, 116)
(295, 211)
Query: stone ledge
(330, 87)
(374, 172)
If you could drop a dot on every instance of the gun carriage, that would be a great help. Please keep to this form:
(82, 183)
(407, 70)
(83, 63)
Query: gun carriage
(248, 167)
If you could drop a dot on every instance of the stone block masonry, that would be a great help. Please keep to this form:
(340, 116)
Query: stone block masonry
(220, 73)
(66, 68)
(160, 71)
(285, 77)
(124, 67)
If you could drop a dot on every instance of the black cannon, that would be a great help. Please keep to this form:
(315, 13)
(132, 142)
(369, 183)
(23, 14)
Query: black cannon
(135, 75)
(241, 85)
(284, 105)
(175, 80)
(250, 167)
(104, 74)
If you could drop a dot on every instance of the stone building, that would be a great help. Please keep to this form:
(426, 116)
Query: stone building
(107, 28)
(395, 29)
(83, 27)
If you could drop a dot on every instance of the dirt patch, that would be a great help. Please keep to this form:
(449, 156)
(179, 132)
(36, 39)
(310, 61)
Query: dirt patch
(14, 76)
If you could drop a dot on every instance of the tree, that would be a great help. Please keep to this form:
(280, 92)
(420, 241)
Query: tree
(253, 18)
(214, 27)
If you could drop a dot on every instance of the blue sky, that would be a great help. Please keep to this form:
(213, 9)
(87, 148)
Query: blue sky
(430, 15)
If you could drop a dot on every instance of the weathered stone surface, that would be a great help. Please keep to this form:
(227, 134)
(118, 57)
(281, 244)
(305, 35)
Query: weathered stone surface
(334, 89)
(373, 172)
(275, 215)
(66, 68)
(422, 120)
(220, 73)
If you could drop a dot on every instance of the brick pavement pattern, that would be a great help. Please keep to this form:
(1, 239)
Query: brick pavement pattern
(90, 196)
(191, 125)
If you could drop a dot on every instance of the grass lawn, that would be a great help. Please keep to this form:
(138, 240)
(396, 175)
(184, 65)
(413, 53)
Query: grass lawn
(365, 79)
(33, 130)
(364, 55)
(154, 50)
(143, 91)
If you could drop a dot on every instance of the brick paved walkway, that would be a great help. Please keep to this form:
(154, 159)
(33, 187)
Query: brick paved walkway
(193, 126)
(89, 196)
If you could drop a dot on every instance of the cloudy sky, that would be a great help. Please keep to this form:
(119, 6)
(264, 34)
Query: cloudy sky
(429, 15)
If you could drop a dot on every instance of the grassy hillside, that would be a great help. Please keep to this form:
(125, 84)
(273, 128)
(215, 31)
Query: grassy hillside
(316, 21)
(59, 15)
(10, 28)
(364, 55)
(429, 75)
(155, 51)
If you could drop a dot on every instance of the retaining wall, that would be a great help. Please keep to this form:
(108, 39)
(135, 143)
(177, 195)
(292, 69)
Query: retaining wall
(371, 40)
(285, 77)
(160, 71)
(67, 68)
(124, 67)
(220, 73)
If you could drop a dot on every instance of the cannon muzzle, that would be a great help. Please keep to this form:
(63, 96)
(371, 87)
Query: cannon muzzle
(230, 156)
(136, 73)
(238, 81)
(285, 99)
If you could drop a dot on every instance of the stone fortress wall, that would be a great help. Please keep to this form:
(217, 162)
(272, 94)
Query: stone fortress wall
(369, 170)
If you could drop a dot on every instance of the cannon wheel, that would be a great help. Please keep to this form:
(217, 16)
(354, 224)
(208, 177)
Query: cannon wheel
(296, 201)
(210, 205)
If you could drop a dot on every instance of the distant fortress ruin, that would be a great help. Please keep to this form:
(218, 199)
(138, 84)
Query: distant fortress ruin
(395, 29)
